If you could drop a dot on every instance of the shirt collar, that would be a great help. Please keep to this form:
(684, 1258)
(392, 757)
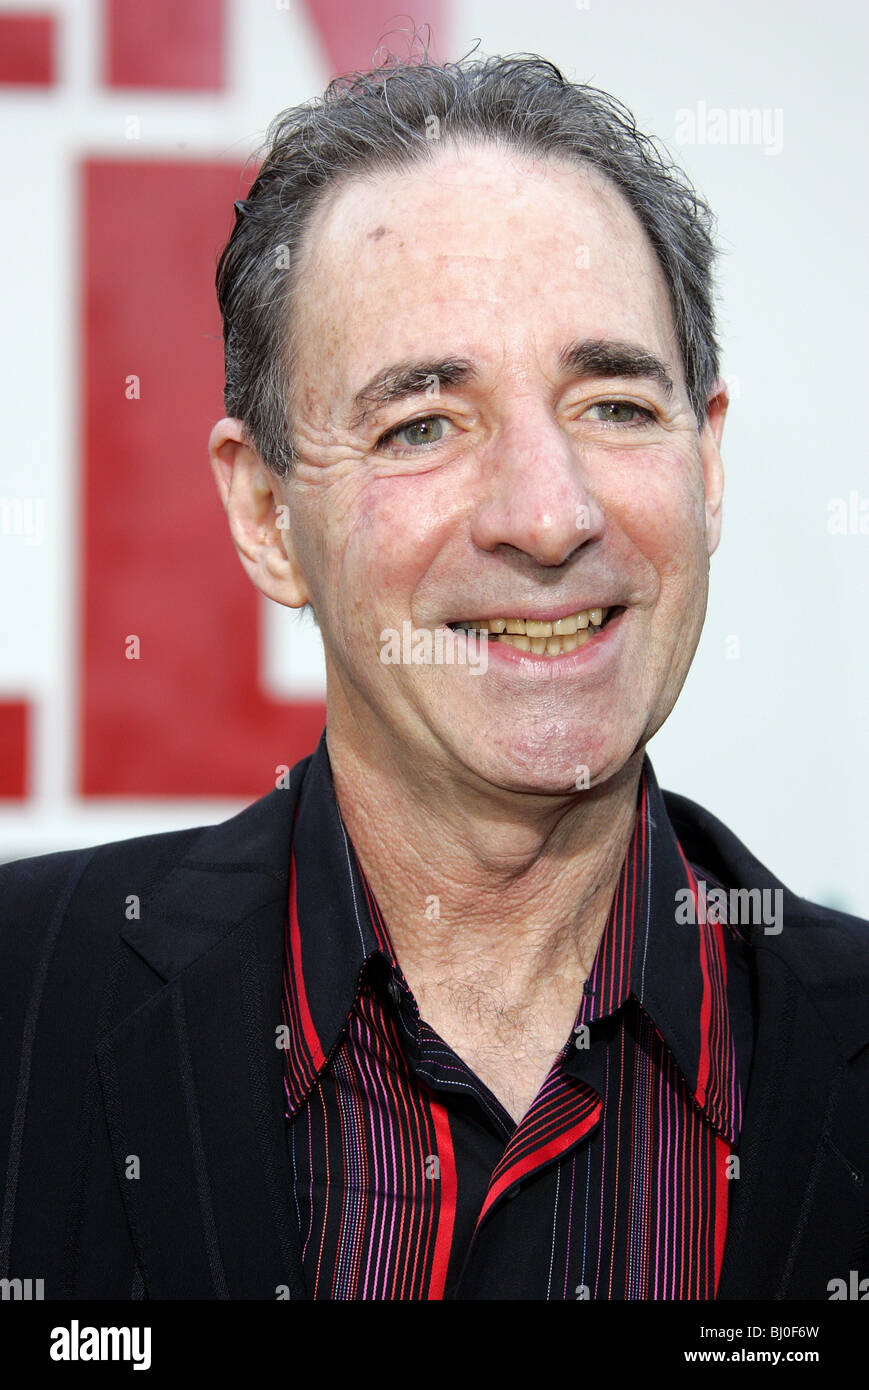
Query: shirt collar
(658, 947)
(331, 933)
(677, 972)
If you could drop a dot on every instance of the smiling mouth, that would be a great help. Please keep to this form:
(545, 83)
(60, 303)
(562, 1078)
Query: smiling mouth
(543, 638)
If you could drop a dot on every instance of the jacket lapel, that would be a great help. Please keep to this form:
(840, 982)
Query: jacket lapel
(192, 1080)
(796, 1205)
(796, 1209)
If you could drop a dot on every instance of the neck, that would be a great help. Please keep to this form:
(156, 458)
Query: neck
(482, 883)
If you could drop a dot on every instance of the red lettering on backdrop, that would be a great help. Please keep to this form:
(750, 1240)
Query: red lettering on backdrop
(177, 44)
(27, 49)
(14, 747)
(186, 718)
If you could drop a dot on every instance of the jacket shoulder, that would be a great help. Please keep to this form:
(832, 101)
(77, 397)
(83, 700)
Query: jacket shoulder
(61, 920)
(92, 897)
(824, 950)
(708, 841)
(40, 887)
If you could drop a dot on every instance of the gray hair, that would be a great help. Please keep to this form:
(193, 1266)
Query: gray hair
(384, 120)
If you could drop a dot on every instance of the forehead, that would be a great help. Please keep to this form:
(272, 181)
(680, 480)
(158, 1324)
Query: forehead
(483, 252)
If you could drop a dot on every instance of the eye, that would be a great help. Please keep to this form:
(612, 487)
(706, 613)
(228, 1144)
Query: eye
(620, 413)
(428, 429)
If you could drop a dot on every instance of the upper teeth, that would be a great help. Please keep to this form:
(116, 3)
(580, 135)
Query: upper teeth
(588, 617)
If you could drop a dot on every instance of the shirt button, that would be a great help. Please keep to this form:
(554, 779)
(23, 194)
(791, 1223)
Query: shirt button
(393, 989)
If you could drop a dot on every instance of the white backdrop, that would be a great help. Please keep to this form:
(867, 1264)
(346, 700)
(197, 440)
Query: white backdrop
(771, 731)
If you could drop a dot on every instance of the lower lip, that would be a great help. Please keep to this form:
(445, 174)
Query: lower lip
(590, 655)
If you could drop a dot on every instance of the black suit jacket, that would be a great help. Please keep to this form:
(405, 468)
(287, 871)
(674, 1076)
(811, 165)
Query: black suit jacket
(142, 1137)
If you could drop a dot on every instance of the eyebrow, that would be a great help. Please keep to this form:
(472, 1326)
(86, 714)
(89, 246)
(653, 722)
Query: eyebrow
(602, 357)
(589, 357)
(404, 379)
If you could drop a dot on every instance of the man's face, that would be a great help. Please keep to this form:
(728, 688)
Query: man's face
(545, 482)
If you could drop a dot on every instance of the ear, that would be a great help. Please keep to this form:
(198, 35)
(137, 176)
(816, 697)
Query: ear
(710, 455)
(255, 501)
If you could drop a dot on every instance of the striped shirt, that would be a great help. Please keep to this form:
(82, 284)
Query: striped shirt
(411, 1180)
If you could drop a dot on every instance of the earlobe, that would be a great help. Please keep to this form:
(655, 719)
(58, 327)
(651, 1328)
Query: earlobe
(257, 514)
(713, 468)
(713, 477)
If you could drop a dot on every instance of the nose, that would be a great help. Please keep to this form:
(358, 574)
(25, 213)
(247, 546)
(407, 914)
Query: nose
(536, 495)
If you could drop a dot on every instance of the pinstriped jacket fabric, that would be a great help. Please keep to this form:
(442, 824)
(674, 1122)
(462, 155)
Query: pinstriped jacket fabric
(142, 1131)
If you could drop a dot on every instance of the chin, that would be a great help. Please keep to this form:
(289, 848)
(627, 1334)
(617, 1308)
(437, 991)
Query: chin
(520, 768)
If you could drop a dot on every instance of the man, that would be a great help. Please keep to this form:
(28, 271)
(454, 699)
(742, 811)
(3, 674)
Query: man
(469, 1009)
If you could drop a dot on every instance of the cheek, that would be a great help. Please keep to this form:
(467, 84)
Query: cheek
(397, 533)
(660, 510)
